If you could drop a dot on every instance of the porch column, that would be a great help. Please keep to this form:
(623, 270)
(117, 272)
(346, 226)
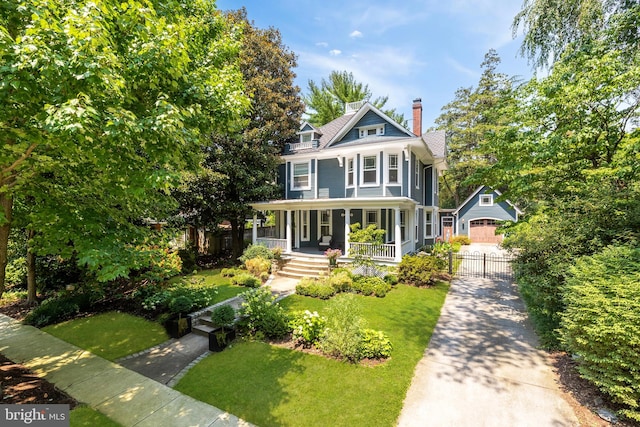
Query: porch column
(288, 232)
(398, 237)
(347, 229)
(254, 234)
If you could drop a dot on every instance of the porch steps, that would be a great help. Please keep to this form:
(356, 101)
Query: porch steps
(299, 266)
(201, 320)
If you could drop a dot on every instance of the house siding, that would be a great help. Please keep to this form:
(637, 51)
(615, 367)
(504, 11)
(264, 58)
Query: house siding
(428, 186)
(369, 119)
(472, 210)
(331, 179)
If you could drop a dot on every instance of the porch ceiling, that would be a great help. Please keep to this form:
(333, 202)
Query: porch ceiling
(359, 203)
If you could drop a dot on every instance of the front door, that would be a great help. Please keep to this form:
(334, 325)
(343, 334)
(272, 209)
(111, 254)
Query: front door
(447, 228)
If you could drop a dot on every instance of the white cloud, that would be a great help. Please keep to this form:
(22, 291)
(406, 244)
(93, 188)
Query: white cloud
(335, 52)
(322, 44)
(355, 34)
(461, 68)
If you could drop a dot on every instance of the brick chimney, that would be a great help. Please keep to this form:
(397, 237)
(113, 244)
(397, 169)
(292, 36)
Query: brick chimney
(417, 116)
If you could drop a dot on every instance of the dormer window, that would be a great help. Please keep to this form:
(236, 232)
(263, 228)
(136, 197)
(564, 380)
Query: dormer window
(375, 130)
(306, 136)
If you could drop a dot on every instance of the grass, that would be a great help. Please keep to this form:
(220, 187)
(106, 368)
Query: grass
(268, 386)
(225, 289)
(84, 416)
(110, 335)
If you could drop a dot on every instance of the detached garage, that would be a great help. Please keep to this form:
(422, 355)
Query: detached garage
(478, 217)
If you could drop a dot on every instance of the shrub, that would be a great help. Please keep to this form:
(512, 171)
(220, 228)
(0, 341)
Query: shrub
(255, 251)
(381, 289)
(262, 315)
(315, 288)
(419, 270)
(374, 345)
(258, 265)
(340, 281)
(55, 310)
(188, 257)
(462, 240)
(307, 327)
(223, 316)
(230, 272)
(180, 304)
(365, 285)
(246, 279)
(341, 337)
(391, 279)
(601, 323)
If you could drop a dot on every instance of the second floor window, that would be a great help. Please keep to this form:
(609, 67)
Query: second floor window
(301, 175)
(370, 170)
(350, 172)
(393, 168)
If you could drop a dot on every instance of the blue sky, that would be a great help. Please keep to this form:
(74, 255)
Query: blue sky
(405, 49)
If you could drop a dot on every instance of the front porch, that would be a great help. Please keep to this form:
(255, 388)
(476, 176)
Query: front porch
(301, 230)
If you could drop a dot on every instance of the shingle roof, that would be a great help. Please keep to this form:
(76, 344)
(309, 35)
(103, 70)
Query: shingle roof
(437, 143)
(331, 129)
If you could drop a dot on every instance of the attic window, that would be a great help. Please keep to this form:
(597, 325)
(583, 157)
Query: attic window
(376, 130)
(486, 200)
(306, 136)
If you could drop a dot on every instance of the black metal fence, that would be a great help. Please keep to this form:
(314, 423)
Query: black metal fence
(477, 264)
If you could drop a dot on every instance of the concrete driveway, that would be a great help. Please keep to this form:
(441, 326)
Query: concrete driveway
(482, 366)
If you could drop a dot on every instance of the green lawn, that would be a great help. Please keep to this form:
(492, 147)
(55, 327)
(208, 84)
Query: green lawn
(110, 335)
(84, 416)
(271, 386)
(213, 278)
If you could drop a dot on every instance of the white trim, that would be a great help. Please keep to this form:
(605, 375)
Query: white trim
(320, 222)
(387, 164)
(292, 181)
(304, 219)
(416, 173)
(315, 178)
(353, 160)
(431, 224)
(361, 169)
(488, 202)
(416, 226)
(363, 131)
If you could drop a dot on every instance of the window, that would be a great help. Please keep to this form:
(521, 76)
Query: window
(350, 172)
(417, 220)
(372, 131)
(325, 222)
(486, 200)
(428, 224)
(300, 175)
(417, 174)
(305, 137)
(403, 228)
(370, 170)
(393, 169)
(304, 226)
(370, 217)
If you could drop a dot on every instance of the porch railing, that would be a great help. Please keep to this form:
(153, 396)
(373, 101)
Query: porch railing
(382, 252)
(272, 243)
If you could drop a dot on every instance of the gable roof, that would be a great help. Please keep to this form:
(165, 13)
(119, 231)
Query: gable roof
(437, 143)
(475, 193)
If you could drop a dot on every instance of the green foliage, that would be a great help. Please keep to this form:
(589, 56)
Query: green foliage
(230, 272)
(419, 270)
(307, 327)
(344, 324)
(258, 265)
(55, 310)
(370, 234)
(601, 323)
(180, 304)
(246, 279)
(223, 316)
(315, 288)
(391, 279)
(375, 345)
(156, 298)
(371, 286)
(256, 251)
(341, 280)
(262, 315)
(462, 240)
(188, 259)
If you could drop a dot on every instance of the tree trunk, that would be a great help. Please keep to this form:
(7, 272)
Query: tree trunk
(6, 202)
(31, 269)
(237, 237)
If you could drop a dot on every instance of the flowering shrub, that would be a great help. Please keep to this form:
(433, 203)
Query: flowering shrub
(262, 315)
(333, 254)
(307, 327)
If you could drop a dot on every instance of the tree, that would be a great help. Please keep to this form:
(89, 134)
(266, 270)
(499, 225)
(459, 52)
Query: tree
(101, 105)
(468, 120)
(550, 26)
(241, 166)
(327, 101)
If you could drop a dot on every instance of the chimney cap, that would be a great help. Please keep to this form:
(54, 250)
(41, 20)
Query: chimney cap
(417, 100)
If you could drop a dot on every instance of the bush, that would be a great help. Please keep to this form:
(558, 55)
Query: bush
(342, 334)
(223, 316)
(391, 279)
(230, 272)
(307, 327)
(180, 304)
(262, 315)
(374, 345)
(340, 281)
(256, 251)
(246, 279)
(315, 288)
(601, 323)
(257, 266)
(56, 310)
(419, 270)
(462, 240)
(188, 257)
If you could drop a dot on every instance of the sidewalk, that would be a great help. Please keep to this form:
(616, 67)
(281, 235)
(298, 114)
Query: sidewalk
(123, 395)
(482, 366)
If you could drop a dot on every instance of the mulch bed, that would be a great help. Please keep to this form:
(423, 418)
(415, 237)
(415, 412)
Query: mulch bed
(21, 386)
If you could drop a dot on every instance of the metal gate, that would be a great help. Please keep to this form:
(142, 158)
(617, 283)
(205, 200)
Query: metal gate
(478, 264)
